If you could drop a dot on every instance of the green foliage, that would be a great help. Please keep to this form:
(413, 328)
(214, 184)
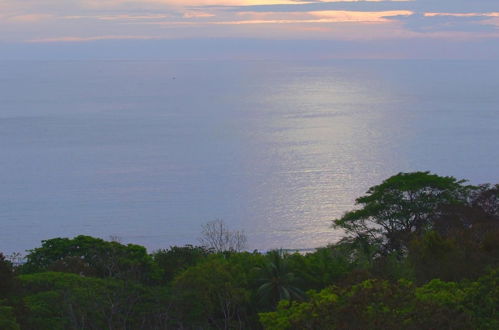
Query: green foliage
(369, 305)
(441, 293)
(321, 268)
(7, 319)
(376, 304)
(392, 267)
(211, 294)
(70, 301)
(178, 258)
(277, 281)
(482, 301)
(92, 257)
(402, 205)
(464, 241)
(436, 257)
(6, 277)
(421, 255)
(312, 314)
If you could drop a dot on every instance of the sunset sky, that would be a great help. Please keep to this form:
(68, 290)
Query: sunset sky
(468, 28)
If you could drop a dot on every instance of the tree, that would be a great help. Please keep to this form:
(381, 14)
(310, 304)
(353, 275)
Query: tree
(372, 304)
(7, 319)
(8, 287)
(216, 235)
(377, 304)
(277, 282)
(211, 295)
(70, 301)
(323, 267)
(178, 258)
(403, 205)
(480, 209)
(6, 277)
(487, 199)
(91, 256)
(464, 240)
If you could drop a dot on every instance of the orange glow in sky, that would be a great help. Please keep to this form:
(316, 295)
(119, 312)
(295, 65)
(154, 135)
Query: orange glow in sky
(39, 20)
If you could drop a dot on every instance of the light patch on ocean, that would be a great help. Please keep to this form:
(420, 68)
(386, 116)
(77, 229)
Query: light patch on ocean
(149, 151)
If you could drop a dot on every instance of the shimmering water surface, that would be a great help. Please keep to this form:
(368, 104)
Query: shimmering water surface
(149, 151)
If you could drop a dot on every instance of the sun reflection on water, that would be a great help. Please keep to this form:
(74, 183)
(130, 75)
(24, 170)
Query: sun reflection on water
(322, 137)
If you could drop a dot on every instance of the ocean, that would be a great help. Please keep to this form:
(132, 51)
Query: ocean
(149, 151)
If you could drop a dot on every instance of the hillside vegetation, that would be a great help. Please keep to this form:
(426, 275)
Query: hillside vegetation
(420, 251)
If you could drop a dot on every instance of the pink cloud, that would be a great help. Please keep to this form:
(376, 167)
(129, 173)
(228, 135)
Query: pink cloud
(360, 16)
(30, 18)
(197, 14)
(94, 38)
(463, 14)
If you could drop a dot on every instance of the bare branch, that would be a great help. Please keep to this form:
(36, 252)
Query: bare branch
(215, 235)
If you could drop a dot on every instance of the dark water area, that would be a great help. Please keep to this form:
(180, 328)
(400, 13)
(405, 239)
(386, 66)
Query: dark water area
(149, 151)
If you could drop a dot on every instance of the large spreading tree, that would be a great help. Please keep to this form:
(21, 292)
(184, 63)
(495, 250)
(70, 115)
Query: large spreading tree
(401, 206)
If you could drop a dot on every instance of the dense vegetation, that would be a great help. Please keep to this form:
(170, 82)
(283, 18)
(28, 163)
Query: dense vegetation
(421, 251)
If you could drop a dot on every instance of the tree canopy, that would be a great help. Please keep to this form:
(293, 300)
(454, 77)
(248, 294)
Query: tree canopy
(91, 256)
(403, 204)
(422, 252)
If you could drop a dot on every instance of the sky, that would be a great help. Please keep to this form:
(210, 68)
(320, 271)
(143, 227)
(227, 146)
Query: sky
(249, 29)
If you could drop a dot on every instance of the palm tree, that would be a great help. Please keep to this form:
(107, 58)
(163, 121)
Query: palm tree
(277, 281)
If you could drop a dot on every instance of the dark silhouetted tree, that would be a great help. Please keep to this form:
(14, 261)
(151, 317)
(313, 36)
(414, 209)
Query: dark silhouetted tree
(403, 205)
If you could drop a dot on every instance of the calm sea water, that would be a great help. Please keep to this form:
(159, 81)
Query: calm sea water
(149, 151)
